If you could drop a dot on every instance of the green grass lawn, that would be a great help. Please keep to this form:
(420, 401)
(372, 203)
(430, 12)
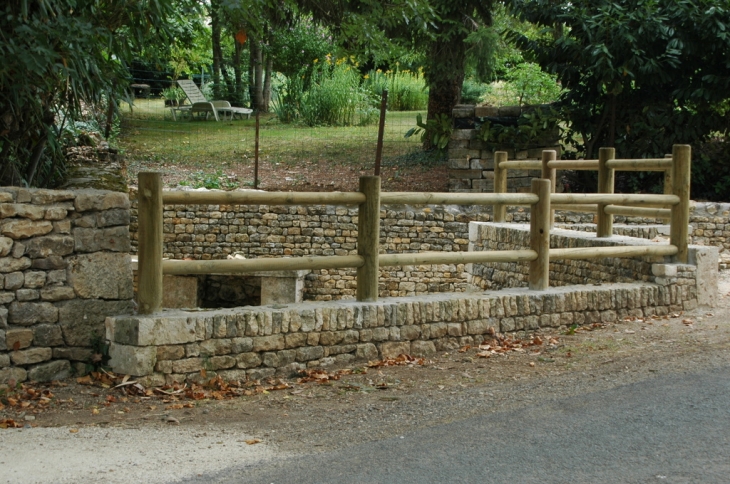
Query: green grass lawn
(151, 139)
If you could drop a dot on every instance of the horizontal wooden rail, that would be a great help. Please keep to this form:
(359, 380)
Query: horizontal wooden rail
(414, 198)
(648, 164)
(456, 257)
(230, 266)
(637, 212)
(261, 198)
(574, 164)
(603, 252)
(521, 165)
(613, 199)
(588, 208)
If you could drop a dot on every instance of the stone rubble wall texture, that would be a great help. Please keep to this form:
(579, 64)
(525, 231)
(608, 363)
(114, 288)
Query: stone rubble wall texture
(681, 281)
(64, 267)
(471, 160)
(259, 342)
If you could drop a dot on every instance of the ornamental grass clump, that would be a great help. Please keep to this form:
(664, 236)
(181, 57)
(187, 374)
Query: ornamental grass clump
(335, 96)
(406, 89)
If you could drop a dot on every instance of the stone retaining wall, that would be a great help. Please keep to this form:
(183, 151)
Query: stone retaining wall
(696, 283)
(258, 342)
(64, 267)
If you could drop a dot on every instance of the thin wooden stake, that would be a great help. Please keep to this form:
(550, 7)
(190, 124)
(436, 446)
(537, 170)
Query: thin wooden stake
(149, 288)
(500, 185)
(256, 155)
(539, 277)
(368, 239)
(381, 131)
(604, 224)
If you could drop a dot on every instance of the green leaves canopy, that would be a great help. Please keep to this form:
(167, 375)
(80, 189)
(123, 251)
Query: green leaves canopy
(58, 54)
(640, 75)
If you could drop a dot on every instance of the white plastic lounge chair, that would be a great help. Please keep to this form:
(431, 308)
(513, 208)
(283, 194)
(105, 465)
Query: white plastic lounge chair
(199, 104)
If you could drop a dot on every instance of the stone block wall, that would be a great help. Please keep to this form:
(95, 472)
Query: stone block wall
(471, 160)
(694, 283)
(217, 231)
(258, 342)
(64, 267)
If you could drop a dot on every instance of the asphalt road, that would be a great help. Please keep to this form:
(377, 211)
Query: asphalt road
(668, 429)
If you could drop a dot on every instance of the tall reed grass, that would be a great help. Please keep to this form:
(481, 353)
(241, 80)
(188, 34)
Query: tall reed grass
(406, 90)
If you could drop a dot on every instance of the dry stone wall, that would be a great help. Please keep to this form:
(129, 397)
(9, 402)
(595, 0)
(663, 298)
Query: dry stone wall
(471, 160)
(690, 284)
(64, 267)
(259, 342)
(217, 231)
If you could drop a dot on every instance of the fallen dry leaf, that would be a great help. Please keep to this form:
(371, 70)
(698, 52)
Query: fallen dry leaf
(252, 441)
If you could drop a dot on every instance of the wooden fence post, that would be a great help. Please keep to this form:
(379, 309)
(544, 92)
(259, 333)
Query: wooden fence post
(539, 277)
(368, 239)
(500, 185)
(149, 267)
(668, 188)
(681, 169)
(604, 225)
(550, 174)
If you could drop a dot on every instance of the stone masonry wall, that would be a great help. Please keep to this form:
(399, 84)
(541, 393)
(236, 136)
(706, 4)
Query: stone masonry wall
(64, 267)
(215, 231)
(694, 283)
(471, 160)
(259, 342)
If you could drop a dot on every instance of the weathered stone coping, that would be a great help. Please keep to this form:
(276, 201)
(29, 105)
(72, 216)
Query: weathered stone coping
(256, 342)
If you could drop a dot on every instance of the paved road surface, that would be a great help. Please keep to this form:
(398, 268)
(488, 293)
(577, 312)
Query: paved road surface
(665, 430)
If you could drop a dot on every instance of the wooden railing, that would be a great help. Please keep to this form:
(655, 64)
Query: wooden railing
(151, 199)
(676, 180)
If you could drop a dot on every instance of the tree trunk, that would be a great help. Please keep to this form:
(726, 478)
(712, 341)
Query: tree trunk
(267, 83)
(445, 76)
(215, 26)
(237, 73)
(257, 98)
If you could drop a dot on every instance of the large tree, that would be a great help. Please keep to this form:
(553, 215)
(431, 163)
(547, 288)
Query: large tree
(446, 50)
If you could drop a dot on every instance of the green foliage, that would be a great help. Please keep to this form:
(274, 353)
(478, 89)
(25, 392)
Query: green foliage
(59, 55)
(527, 84)
(435, 132)
(711, 171)
(640, 75)
(406, 89)
(288, 98)
(212, 181)
(335, 97)
(173, 94)
(533, 126)
(295, 47)
(472, 91)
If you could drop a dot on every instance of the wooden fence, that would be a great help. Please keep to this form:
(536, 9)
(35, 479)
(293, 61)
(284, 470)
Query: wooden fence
(541, 201)
(606, 165)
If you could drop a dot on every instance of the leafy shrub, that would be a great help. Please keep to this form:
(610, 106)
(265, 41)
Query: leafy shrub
(524, 84)
(533, 127)
(435, 132)
(711, 171)
(472, 91)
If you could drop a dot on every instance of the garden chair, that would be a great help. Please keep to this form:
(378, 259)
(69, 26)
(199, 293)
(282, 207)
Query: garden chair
(199, 104)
